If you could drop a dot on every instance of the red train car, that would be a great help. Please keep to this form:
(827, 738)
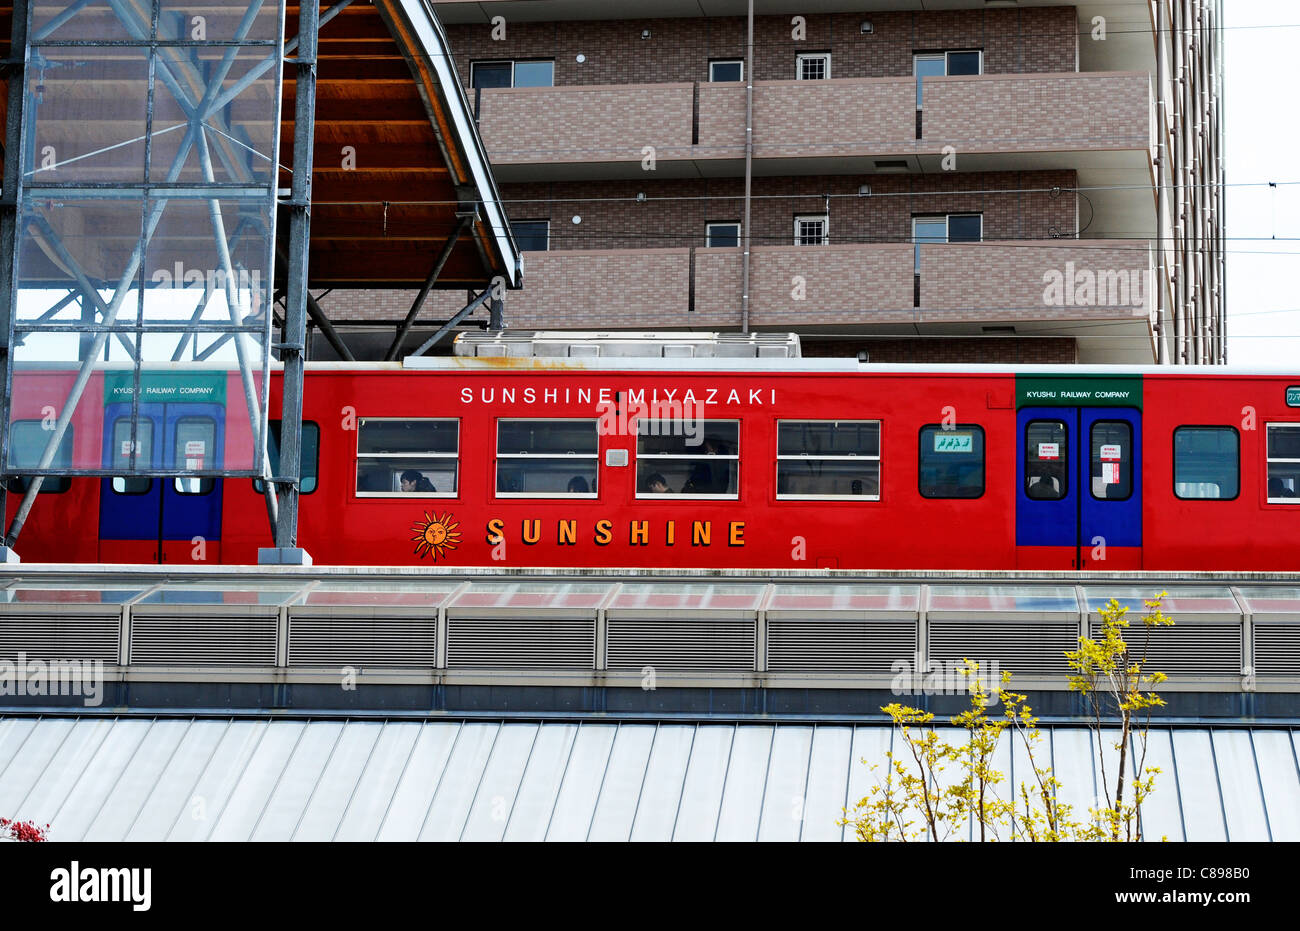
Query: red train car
(720, 463)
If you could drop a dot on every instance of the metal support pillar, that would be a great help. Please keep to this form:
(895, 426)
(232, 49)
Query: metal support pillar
(16, 72)
(465, 214)
(288, 470)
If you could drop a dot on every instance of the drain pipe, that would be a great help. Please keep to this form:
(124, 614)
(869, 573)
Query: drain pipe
(749, 170)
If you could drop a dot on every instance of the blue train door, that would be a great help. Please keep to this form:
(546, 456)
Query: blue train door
(154, 519)
(1079, 496)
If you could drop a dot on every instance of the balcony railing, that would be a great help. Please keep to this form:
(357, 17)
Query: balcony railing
(851, 284)
(986, 115)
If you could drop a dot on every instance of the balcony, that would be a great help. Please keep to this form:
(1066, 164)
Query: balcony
(992, 122)
(1095, 290)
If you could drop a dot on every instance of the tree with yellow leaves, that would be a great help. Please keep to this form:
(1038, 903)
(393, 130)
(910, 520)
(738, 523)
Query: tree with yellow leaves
(914, 800)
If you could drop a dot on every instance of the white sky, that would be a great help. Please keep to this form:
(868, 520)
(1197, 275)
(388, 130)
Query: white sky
(1262, 124)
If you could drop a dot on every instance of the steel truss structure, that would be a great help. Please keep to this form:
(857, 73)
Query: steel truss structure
(155, 212)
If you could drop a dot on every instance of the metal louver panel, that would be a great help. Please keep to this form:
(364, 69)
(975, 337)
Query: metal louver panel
(1023, 649)
(1277, 649)
(498, 643)
(681, 644)
(362, 640)
(55, 636)
(1189, 650)
(194, 639)
(838, 646)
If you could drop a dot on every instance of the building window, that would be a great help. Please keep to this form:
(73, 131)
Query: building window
(950, 227)
(731, 69)
(814, 66)
(511, 74)
(27, 441)
(398, 457)
(938, 64)
(308, 458)
(951, 461)
(546, 458)
(531, 235)
(1047, 452)
(688, 457)
(812, 230)
(1207, 463)
(828, 459)
(1284, 463)
(723, 235)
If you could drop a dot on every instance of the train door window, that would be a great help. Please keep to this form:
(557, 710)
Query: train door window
(134, 484)
(27, 442)
(195, 449)
(401, 456)
(1047, 475)
(1284, 463)
(828, 459)
(1111, 465)
(951, 461)
(1207, 463)
(688, 457)
(309, 458)
(546, 458)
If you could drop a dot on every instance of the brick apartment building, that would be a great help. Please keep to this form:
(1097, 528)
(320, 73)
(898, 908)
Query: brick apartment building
(990, 182)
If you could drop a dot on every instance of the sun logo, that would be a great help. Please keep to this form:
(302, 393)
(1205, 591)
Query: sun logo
(435, 535)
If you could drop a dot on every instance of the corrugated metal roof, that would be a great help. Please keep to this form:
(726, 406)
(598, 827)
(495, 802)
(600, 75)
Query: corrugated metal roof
(136, 778)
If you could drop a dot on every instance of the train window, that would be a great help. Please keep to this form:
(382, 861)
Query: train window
(405, 457)
(134, 484)
(1284, 463)
(27, 441)
(1111, 465)
(688, 457)
(1047, 450)
(828, 459)
(951, 461)
(546, 458)
(309, 459)
(195, 449)
(1206, 463)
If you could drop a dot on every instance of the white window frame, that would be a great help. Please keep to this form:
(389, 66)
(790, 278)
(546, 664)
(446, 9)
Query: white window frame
(593, 457)
(511, 62)
(360, 457)
(727, 61)
(708, 234)
(805, 457)
(1269, 460)
(825, 218)
(669, 457)
(807, 56)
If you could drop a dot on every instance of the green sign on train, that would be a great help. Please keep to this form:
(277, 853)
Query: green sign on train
(1293, 396)
(1078, 391)
(164, 387)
